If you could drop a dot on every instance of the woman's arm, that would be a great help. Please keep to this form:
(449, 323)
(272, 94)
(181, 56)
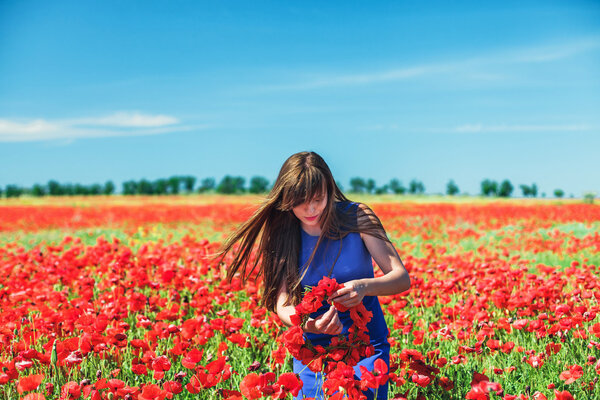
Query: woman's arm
(328, 322)
(284, 312)
(395, 279)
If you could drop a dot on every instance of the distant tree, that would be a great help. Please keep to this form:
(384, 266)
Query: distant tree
(188, 183)
(588, 197)
(38, 190)
(370, 185)
(489, 188)
(382, 189)
(95, 189)
(529, 190)
(174, 184)
(13, 191)
(559, 193)
(68, 189)
(231, 185)
(54, 188)
(145, 187)
(81, 190)
(526, 190)
(451, 188)
(358, 185)
(505, 189)
(109, 188)
(1, 192)
(130, 187)
(206, 185)
(161, 186)
(258, 184)
(396, 186)
(416, 187)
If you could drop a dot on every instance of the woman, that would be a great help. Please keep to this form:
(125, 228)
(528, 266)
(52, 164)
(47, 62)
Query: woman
(307, 229)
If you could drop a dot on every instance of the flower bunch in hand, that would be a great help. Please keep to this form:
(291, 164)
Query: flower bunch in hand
(348, 349)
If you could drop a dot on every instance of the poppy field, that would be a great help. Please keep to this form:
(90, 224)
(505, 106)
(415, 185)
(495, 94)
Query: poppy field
(121, 298)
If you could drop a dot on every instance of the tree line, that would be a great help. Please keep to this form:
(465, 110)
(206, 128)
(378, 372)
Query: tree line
(187, 184)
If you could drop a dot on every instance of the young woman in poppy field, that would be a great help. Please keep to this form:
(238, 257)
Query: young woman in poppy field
(306, 230)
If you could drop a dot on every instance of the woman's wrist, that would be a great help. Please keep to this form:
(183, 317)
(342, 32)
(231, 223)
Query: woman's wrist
(384, 285)
(364, 285)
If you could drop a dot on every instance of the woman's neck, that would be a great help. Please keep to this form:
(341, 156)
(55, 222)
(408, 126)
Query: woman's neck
(312, 230)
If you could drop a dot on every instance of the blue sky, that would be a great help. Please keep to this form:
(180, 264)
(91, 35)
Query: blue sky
(99, 90)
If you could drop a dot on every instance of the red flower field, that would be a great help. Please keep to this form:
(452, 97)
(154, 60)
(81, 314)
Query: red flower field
(121, 299)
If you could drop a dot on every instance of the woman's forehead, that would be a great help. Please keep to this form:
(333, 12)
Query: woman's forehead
(311, 193)
(317, 190)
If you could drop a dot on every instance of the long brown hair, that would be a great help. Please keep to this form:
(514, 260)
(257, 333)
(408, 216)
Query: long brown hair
(277, 230)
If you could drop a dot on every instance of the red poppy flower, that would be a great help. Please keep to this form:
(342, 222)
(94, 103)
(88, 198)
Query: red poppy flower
(34, 396)
(565, 395)
(289, 383)
(250, 386)
(30, 382)
(572, 374)
(173, 387)
(367, 379)
(70, 391)
(192, 358)
(152, 392)
(421, 380)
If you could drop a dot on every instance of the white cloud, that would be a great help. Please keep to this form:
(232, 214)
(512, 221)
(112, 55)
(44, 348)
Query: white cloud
(27, 128)
(129, 119)
(521, 55)
(484, 128)
(480, 128)
(116, 124)
(553, 52)
(355, 79)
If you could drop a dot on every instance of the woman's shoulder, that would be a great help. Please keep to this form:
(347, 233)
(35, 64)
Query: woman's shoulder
(346, 205)
(361, 215)
(348, 215)
(354, 206)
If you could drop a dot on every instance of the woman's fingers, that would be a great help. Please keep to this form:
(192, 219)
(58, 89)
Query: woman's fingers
(338, 293)
(336, 325)
(329, 322)
(323, 321)
(347, 300)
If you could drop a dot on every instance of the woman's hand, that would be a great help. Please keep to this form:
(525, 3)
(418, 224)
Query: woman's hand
(328, 323)
(350, 295)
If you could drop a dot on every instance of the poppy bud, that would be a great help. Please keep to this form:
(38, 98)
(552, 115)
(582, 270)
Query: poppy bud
(54, 356)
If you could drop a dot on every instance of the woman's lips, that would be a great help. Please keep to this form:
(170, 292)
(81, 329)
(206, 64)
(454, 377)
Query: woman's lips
(312, 218)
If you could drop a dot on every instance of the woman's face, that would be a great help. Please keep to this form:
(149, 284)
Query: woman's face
(309, 213)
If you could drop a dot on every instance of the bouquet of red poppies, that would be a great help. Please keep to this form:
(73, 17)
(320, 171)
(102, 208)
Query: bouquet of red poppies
(347, 349)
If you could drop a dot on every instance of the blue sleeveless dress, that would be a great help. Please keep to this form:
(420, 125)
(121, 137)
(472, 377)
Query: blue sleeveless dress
(354, 262)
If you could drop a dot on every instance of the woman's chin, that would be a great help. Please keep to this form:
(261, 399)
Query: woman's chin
(313, 223)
